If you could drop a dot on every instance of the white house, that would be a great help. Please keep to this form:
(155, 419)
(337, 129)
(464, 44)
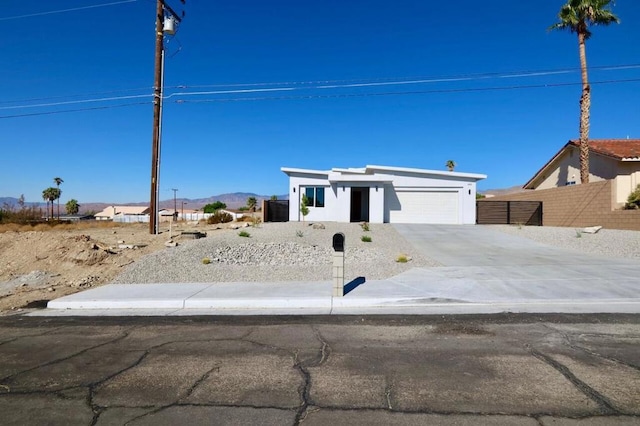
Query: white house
(381, 194)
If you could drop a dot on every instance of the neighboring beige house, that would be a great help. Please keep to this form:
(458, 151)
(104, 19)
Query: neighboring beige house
(617, 160)
(110, 212)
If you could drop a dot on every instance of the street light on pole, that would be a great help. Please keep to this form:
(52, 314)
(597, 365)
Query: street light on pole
(183, 203)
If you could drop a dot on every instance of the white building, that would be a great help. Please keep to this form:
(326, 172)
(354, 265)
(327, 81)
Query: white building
(381, 194)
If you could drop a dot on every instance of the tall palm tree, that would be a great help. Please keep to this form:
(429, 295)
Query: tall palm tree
(50, 195)
(578, 16)
(450, 165)
(58, 181)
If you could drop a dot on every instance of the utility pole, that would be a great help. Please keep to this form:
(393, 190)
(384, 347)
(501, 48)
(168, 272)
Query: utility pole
(157, 107)
(161, 28)
(175, 205)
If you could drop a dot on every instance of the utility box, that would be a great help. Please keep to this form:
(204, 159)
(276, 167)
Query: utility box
(338, 264)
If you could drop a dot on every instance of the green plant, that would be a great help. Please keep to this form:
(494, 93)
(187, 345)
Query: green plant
(252, 203)
(255, 221)
(303, 206)
(402, 258)
(365, 226)
(274, 198)
(450, 165)
(213, 207)
(72, 206)
(578, 233)
(633, 201)
(206, 261)
(219, 217)
(50, 195)
(244, 234)
(365, 239)
(299, 234)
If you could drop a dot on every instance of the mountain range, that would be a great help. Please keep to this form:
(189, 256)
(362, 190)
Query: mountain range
(232, 200)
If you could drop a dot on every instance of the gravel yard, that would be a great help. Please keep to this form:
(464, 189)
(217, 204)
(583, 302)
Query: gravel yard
(607, 242)
(277, 252)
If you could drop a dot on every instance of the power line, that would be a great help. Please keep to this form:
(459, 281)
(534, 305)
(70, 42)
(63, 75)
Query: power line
(416, 92)
(74, 110)
(82, 101)
(67, 10)
(107, 92)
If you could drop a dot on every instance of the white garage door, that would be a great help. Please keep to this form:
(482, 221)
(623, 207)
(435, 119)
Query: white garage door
(425, 207)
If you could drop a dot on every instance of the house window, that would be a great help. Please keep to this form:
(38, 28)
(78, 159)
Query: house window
(315, 196)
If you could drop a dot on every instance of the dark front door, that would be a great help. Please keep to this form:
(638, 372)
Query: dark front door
(359, 204)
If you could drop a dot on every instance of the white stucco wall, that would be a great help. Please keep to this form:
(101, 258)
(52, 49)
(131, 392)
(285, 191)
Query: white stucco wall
(379, 183)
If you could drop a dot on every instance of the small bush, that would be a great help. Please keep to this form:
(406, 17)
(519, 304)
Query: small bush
(299, 234)
(578, 233)
(206, 261)
(219, 217)
(255, 221)
(402, 258)
(365, 226)
(365, 239)
(633, 201)
(244, 234)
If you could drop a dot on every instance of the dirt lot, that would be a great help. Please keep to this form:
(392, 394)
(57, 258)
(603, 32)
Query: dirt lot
(42, 263)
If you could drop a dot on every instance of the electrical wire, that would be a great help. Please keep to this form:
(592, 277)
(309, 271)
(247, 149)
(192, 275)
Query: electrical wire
(74, 110)
(416, 92)
(82, 101)
(67, 10)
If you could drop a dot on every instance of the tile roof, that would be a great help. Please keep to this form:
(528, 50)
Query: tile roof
(616, 148)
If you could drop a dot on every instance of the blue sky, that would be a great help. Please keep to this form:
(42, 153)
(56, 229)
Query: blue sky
(373, 50)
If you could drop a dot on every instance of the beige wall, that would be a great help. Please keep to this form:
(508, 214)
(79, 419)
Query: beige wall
(566, 168)
(579, 206)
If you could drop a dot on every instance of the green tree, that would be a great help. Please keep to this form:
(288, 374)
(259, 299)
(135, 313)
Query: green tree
(274, 198)
(58, 181)
(72, 206)
(303, 206)
(252, 203)
(578, 16)
(450, 165)
(50, 195)
(213, 207)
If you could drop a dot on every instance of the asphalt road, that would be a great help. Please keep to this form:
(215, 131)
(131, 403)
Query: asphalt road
(391, 370)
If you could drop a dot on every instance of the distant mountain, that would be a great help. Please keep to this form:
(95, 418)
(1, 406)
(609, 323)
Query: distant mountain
(232, 200)
(503, 191)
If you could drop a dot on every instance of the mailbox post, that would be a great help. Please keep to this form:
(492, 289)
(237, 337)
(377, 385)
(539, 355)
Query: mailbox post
(338, 264)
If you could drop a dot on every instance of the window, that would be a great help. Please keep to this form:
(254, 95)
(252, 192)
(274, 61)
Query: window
(315, 196)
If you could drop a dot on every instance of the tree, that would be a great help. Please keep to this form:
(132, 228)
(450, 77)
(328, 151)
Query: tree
(577, 16)
(72, 206)
(58, 181)
(303, 206)
(50, 195)
(213, 207)
(274, 198)
(21, 201)
(252, 203)
(450, 165)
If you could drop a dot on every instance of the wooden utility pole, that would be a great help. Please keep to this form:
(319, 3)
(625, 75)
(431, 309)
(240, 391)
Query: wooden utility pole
(157, 108)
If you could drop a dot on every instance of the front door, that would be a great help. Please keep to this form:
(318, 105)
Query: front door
(359, 204)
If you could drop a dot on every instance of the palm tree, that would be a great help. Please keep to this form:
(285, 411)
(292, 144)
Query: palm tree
(577, 16)
(58, 181)
(50, 195)
(72, 206)
(450, 165)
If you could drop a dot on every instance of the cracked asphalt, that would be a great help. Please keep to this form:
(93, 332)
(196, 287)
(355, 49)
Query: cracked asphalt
(358, 370)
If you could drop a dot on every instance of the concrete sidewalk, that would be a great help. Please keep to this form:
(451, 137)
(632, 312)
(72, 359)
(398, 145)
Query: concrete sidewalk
(443, 290)
(485, 271)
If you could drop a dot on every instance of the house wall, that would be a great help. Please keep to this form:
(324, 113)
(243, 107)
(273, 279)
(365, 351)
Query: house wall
(317, 214)
(579, 206)
(567, 169)
(627, 181)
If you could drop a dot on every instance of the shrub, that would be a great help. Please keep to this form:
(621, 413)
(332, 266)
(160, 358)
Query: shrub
(255, 221)
(365, 226)
(213, 207)
(244, 234)
(219, 217)
(633, 201)
(402, 258)
(299, 233)
(365, 239)
(206, 261)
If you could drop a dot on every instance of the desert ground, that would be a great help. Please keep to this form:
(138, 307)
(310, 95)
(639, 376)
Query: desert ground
(44, 262)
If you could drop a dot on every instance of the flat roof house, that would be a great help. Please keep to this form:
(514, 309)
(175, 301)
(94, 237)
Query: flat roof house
(382, 194)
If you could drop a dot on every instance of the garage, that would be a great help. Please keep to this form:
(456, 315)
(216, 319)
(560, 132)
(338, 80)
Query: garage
(439, 207)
